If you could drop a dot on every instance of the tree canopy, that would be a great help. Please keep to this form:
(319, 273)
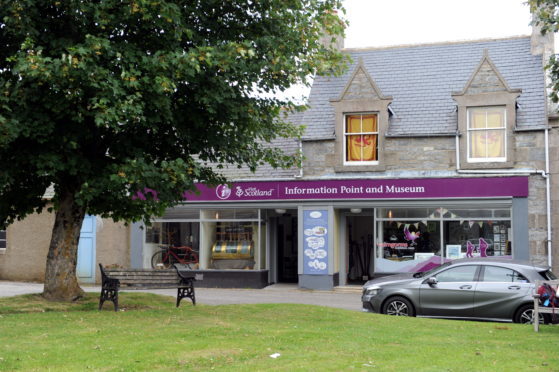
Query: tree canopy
(102, 99)
(546, 15)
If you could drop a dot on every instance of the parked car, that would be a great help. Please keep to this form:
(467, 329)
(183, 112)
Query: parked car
(476, 288)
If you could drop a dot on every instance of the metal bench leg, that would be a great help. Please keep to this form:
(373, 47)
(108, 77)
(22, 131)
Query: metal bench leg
(183, 292)
(109, 294)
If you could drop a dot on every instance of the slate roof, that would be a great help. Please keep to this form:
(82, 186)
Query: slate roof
(421, 79)
(289, 147)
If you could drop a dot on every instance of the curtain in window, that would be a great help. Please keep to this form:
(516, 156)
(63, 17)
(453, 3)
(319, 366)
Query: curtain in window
(488, 143)
(362, 147)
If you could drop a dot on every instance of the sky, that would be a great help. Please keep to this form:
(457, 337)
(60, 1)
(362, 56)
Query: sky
(378, 23)
(374, 23)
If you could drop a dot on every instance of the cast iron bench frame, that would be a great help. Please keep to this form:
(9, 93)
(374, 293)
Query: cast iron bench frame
(114, 280)
(539, 309)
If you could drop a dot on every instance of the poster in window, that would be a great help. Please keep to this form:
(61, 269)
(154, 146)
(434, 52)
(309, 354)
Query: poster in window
(315, 242)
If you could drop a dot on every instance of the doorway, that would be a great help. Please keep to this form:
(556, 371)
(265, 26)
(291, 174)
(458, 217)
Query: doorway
(360, 248)
(287, 248)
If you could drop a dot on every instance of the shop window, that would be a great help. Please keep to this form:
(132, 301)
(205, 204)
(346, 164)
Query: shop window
(486, 134)
(2, 239)
(361, 139)
(410, 240)
(477, 238)
(419, 239)
(232, 239)
(233, 246)
(182, 237)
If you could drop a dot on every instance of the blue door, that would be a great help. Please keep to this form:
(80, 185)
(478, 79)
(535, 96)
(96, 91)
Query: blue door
(86, 251)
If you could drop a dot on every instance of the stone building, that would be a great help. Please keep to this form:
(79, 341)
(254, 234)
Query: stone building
(417, 155)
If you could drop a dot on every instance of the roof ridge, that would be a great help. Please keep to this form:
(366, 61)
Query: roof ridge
(436, 43)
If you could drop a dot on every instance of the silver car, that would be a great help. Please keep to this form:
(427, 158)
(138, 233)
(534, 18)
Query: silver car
(482, 288)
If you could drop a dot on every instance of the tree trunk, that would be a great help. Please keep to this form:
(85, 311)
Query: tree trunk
(61, 283)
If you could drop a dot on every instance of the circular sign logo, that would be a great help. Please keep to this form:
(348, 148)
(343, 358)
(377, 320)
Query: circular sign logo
(223, 191)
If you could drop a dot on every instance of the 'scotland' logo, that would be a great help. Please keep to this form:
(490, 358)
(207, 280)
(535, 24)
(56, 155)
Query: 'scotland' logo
(223, 191)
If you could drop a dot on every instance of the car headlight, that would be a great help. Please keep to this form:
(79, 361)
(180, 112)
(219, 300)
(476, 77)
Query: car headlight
(372, 291)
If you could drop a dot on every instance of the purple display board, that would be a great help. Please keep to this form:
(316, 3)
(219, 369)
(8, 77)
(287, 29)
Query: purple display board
(315, 242)
(474, 187)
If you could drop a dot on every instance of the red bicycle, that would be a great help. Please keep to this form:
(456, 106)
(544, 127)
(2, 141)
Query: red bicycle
(167, 256)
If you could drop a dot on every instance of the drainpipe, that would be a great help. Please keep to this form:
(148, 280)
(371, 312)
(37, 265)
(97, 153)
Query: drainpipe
(300, 174)
(543, 173)
(548, 197)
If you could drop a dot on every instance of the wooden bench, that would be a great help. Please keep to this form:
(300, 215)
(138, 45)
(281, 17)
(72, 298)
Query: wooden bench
(538, 309)
(114, 280)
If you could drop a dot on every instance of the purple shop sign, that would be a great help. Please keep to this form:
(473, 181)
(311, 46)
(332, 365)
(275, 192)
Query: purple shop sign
(479, 187)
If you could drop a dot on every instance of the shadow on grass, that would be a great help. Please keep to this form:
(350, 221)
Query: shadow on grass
(35, 303)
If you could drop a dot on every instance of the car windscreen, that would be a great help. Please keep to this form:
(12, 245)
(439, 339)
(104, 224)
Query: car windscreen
(548, 275)
(428, 273)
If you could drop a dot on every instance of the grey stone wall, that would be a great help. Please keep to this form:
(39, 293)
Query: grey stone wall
(432, 155)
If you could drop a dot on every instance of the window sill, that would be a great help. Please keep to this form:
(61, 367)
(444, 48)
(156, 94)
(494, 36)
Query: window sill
(487, 165)
(2, 250)
(359, 168)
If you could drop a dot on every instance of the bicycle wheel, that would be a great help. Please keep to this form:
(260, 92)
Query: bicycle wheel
(161, 259)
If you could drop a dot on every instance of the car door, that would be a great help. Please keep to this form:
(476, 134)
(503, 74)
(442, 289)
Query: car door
(499, 292)
(453, 293)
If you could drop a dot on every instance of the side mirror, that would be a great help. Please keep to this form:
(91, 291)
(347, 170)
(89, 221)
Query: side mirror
(432, 281)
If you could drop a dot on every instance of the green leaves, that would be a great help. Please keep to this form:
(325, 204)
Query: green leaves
(106, 98)
(546, 15)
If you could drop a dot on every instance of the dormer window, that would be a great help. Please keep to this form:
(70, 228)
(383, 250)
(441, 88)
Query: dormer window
(486, 119)
(361, 115)
(361, 139)
(487, 134)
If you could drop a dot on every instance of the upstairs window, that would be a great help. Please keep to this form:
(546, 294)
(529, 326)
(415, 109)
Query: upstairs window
(361, 139)
(487, 139)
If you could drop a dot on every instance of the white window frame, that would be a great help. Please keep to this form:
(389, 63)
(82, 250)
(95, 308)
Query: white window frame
(346, 134)
(470, 131)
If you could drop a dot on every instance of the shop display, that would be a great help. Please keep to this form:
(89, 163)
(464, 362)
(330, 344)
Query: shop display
(234, 246)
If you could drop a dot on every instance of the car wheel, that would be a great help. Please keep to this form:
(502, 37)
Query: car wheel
(398, 306)
(525, 315)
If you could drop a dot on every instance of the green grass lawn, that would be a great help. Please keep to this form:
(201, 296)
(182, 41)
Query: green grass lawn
(151, 334)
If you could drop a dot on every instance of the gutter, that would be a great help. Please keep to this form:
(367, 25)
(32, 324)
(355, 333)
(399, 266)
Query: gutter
(543, 173)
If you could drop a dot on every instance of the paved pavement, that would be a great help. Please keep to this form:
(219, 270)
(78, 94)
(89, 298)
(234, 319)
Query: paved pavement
(349, 299)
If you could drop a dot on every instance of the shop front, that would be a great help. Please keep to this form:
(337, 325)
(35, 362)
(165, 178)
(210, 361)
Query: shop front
(325, 233)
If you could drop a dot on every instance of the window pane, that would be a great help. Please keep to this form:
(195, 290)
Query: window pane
(181, 213)
(409, 240)
(495, 142)
(370, 123)
(495, 118)
(362, 148)
(479, 213)
(477, 238)
(231, 214)
(407, 213)
(458, 274)
(502, 274)
(353, 124)
(477, 118)
(477, 144)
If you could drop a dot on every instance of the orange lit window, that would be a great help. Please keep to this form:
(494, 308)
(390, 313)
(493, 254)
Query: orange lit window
(361, 138)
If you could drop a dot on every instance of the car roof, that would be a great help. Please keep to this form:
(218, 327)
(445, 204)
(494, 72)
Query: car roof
(500, 260)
